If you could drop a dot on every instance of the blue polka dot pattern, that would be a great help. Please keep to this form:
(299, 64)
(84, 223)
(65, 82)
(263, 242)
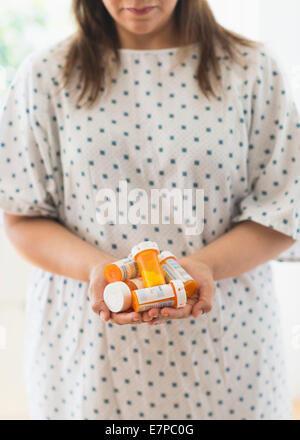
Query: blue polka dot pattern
(153, 128)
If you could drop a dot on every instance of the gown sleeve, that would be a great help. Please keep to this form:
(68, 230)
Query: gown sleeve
(273, 197)
(28, 185)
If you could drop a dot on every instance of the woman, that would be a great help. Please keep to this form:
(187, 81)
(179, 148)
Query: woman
(189, 105)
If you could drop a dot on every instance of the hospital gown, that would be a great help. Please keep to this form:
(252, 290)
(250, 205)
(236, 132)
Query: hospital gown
(152, 127)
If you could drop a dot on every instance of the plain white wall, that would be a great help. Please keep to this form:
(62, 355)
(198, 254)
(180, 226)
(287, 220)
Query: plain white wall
(15, 273)
(280, 29)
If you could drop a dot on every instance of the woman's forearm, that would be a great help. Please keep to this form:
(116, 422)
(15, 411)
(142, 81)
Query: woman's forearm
(244, 247)
(48, 244)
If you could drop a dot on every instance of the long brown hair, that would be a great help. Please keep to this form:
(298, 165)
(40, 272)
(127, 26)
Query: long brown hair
(96, 32)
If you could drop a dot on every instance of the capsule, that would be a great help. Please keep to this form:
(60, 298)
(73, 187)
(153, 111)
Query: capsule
(173, 270)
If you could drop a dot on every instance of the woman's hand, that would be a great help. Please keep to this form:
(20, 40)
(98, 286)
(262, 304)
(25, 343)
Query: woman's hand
(200, 303)
(127, 317)
(96, 290)
(160, 316)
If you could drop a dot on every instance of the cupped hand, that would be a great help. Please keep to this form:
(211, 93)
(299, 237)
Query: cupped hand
(96, 291)
(127, 317)
(200, 303)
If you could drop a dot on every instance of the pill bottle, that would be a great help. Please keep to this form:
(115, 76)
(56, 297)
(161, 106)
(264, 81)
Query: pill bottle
(146, 256)
(135, 283)
(174, 271)
(118, 297)
(121, 270)
(166, 295)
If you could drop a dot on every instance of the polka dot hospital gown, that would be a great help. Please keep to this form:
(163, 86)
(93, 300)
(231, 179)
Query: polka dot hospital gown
(153, 127)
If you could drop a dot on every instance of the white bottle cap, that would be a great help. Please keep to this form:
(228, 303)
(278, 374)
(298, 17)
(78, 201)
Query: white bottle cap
(180, 291)
(143, 246)
(117, 296)
(165, 254)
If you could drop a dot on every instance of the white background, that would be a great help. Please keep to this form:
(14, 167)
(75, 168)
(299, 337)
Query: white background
(271, 21)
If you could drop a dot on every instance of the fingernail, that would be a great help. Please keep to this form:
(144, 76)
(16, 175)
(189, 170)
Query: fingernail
(102, 316)
(136, 320)
(200, 312)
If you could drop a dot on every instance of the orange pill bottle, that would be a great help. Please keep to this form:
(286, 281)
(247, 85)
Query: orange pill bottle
(117, 296)
(174, 271)
(121, 270)
(135, 283)
(146, 256)
(167, 295)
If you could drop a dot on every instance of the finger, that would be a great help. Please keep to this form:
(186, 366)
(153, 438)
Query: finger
(146, 317)
(126, 318)
(154, 313)
(150, 314)
(173, 313)
(98, 304)
(99, 307)
(205, 303)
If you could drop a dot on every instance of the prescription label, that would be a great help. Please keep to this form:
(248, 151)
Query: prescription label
(128, 268)
(138, 282)
(156, 305)
(173, 271)
(156, 293)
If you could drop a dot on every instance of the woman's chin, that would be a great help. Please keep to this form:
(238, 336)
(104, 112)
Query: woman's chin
(140, 30)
